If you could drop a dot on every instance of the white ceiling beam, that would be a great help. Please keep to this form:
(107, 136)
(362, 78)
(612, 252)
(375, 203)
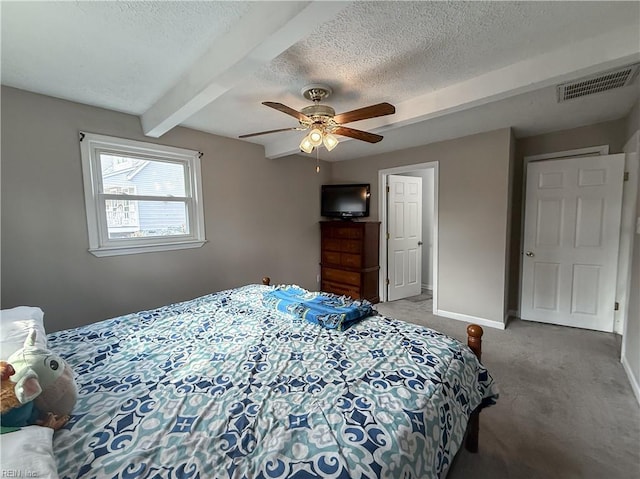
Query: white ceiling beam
(259, 36)
(573, 61)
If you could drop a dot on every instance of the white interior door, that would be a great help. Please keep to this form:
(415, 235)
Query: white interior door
(571, 238)
(404, 257)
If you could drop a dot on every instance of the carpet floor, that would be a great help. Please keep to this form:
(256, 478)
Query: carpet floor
(566, 409)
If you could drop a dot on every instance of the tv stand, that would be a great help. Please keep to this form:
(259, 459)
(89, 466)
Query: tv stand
(349, 263)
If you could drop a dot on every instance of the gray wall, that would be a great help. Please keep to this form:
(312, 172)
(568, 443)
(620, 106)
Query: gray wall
(472, 219)
(633, 121)
(261, 218)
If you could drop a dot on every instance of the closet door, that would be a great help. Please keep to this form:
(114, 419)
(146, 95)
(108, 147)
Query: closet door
(571, 238)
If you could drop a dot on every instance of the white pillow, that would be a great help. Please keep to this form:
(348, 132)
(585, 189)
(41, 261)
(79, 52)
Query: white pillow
(15, 325)
(28, 453)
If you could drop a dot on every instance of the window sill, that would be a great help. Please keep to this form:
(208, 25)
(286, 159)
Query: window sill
(122, 250)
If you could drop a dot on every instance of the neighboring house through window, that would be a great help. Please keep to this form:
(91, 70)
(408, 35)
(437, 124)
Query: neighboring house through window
(140, 196)
(122, 215)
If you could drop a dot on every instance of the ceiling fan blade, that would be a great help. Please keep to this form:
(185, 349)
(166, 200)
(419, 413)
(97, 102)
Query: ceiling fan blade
(266, 132)
(373, 111)
(285, 109)
(357, 134)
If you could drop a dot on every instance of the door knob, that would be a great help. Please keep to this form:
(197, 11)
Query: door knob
(530, 254)
(419, 243)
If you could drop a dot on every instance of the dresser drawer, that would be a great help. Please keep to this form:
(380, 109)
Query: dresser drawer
(331, 244)
(331, 257)
(349, 232)
(351, 260)
(351, 246)
(341, 276)
(342, 289)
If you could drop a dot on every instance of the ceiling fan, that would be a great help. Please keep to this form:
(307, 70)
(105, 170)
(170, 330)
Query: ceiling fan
(323, 122)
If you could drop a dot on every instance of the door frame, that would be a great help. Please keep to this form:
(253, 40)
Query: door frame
(626, 230)
(632, 149)
(383, 216)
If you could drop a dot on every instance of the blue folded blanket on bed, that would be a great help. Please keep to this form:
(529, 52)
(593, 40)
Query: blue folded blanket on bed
(326, 309)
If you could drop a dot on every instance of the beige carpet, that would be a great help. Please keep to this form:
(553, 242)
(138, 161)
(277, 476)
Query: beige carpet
(566, 409)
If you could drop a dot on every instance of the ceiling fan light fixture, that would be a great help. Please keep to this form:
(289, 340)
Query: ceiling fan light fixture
(321, 122)
(330, 141)
(305, 145)
(315, 137)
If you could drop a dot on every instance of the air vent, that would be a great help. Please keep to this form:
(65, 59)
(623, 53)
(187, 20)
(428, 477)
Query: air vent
(597, 83)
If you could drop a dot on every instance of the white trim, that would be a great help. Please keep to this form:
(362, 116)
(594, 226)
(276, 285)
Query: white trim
(115, 251)
(632, 146)
(632, 380)
(590, 151)
(471, 319)
(91, 146)
(382, 214)
(627, 230)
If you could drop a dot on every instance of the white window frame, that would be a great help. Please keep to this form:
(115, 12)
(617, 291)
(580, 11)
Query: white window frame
(91, 146)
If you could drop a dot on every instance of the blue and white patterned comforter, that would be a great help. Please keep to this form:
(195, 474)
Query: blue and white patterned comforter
(222, 387)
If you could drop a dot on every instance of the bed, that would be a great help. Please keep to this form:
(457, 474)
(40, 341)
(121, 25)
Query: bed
(225, 386)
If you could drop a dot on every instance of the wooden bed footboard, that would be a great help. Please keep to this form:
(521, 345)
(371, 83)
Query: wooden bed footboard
(474, 341)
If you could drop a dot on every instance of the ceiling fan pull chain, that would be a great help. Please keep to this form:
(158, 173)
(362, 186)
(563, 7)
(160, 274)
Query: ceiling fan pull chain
(317, 160)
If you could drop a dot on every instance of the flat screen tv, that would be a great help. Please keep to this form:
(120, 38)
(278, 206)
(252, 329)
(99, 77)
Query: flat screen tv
(345, 201)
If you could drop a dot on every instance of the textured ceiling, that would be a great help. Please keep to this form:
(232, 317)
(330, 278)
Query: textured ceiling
(118, 55)
(451, 68)
(405, 48)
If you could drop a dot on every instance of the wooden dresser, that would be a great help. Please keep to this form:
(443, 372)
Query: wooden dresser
(349, 258)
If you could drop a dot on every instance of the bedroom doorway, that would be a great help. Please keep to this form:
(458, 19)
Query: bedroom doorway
(424, 280)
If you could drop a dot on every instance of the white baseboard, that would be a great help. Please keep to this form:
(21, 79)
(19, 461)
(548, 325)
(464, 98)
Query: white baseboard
(632, 380)
(426, 286)
(470, 319)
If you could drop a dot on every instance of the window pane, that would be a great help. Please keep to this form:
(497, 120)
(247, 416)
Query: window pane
(121, 174)
(138, 219)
